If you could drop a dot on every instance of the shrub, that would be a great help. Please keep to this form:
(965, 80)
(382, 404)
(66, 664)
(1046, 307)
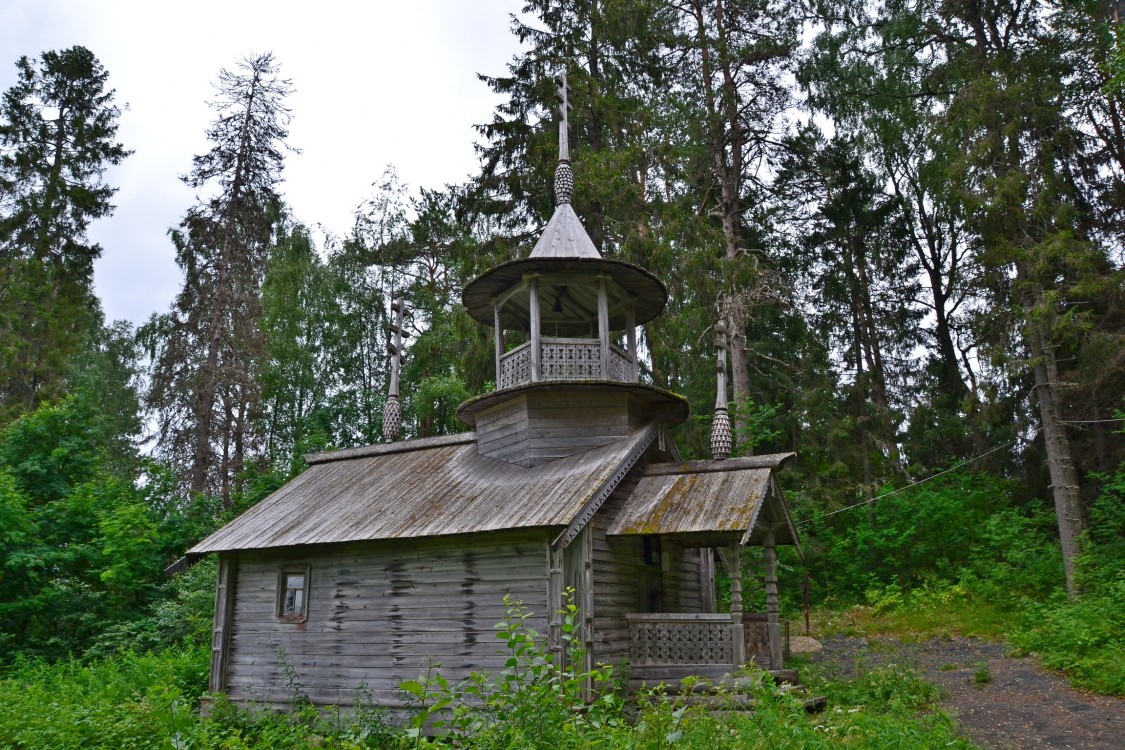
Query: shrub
(1085, 638)
(531, 703)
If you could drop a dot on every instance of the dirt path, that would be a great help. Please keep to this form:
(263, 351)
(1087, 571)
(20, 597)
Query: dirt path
(1000, 702)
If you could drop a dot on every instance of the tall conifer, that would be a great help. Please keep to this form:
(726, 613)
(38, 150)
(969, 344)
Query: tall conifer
(207, 351)
(58, 129)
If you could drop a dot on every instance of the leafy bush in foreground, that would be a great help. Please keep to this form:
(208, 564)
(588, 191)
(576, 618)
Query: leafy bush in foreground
(151, 701)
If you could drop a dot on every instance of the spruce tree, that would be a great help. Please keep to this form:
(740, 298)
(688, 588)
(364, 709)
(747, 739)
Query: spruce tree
(58, 128)
(207, 352)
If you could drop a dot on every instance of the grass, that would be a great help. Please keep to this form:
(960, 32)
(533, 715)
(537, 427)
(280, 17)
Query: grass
(919, 616)
(1085, 639)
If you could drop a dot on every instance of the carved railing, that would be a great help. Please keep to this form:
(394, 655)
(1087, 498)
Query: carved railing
(515, 367)
(564, 359)
(673, 639)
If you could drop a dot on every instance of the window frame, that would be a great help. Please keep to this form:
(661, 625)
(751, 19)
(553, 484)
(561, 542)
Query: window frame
(282, 575)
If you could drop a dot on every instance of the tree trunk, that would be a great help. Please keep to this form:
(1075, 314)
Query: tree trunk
(1060, 461)
(727, 143)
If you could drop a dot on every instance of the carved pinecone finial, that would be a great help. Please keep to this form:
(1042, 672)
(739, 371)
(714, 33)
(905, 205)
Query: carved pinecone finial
(721, 437)
(392, 419)
(721, 442)
(564, 183)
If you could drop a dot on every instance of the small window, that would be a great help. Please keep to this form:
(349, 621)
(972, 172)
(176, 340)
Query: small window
(293, 594)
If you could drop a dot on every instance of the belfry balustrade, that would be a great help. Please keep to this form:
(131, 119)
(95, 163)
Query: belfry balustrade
(581, 316)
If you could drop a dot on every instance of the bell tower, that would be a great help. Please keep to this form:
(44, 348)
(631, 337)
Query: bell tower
(573, 383)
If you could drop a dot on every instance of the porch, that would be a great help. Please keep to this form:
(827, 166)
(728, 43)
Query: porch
(719, 508)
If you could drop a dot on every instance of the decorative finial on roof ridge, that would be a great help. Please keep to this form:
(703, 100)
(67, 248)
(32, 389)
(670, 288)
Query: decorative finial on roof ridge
(392, 410)
(721, 438)
(564, 174)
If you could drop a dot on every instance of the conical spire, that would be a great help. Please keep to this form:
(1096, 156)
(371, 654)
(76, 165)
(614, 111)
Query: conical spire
(721, 439)
(392, 410)
(564, 236)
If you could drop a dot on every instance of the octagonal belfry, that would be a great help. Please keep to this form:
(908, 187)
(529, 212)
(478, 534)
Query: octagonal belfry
(573, 384)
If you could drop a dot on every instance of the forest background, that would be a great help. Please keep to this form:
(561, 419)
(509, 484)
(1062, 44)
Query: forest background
(909, 214)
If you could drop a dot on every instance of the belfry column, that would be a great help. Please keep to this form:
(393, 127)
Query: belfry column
(631, 339)
(498, 337)
(603, 326)
(536, 344)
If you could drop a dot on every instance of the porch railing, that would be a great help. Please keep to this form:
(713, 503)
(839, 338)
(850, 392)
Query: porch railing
(678, 642)
(669, 638)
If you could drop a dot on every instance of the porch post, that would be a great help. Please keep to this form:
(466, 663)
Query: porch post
(737, 629)
(555, 605)
(773, 628)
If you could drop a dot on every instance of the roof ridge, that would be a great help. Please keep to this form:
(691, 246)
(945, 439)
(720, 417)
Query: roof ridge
(403, 446)
(765, 461)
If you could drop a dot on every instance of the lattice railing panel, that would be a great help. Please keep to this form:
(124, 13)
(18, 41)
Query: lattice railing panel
(563, 360)
(620, 369)
(657, 642)
(515, 367)
(571, 361)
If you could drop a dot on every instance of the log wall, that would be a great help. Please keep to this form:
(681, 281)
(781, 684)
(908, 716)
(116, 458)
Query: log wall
(543, 426)
(379, 613)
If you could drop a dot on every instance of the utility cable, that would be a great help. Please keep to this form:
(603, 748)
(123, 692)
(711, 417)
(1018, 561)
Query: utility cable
(920, 481)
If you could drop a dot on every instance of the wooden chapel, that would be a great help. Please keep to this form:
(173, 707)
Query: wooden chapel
(379, 561)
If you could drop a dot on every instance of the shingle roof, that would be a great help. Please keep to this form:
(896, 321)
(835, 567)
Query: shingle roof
(565, 237)
(422, 488)
(701, 498)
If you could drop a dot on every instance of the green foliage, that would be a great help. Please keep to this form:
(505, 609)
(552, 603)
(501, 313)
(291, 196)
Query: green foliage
(1009, 584)
(1086, 638)
(152, 700)
(531, 703)
(182, 613)
(87, 531)
(932, 531)
(124, 703)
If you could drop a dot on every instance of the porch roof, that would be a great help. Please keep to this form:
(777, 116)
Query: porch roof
(708, 502)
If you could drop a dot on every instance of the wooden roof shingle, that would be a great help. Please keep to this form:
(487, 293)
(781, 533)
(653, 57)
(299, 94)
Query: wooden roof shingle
(702, 498)
(423, 488)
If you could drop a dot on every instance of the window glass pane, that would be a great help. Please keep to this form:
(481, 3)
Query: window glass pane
(293, 594)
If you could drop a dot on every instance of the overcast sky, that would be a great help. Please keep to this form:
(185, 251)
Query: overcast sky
(376, 83)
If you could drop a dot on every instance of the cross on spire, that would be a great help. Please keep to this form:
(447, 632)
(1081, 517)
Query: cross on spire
(564, 175)
(563, 97)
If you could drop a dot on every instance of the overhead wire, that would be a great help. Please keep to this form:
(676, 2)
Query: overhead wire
(920, 481)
